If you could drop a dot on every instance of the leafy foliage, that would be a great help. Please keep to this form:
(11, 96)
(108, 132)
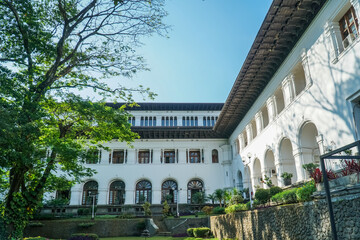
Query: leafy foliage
(350, 167)
(287, 196)
(218, 210)
(316, 175)
(147, 210)
(207, 210)
(48, 49)
(202, 232)
(303, 194)
(198, 198)
(286, 175)
(237, 208)
(275, 190)
(190, 232)
(262, 195)
(166, 209)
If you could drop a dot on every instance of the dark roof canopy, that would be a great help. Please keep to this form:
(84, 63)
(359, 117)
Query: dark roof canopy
(172, 106)
(283, 26)
(177, 133)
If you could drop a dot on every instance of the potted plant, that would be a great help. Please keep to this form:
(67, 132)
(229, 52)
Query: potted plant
(287, 178)
(310, 167)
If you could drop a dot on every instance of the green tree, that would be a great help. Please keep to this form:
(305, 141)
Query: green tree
(220, 194)
(50, 50)
(212, 198)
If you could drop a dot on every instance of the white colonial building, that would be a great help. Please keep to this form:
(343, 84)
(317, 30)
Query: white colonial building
(297, 96)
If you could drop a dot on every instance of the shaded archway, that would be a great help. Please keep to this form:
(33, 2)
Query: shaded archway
(90, 191)
(194, 186)
(169, 191)
(270, 169)
(256, 174)
(117, 193)
(308, 144)
(309, 147)
(240, 183)
(287, 160)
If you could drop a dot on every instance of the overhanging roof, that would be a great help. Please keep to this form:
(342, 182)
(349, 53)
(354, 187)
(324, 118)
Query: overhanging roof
(283, 26)
(177, 133)
(172, 106)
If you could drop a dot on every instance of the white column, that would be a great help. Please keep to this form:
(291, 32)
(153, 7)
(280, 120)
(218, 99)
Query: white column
(104, 157)
(306, 67)
(226, 163)
(182, 155)
(334, 39)
(129, 196)
(241, 142)
(298, 156)
(156, 155)
(76, 194)
(131, 158)
(259, 122)
(102, 196)
(137, 120)
(249, 133)
(271, 108)
(288, 89)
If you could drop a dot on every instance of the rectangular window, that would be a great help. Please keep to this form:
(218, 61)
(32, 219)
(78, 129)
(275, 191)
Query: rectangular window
(169, 156)
(194, 156)
(349, 27)
(118, 156)
(144, 156)
(142, 121)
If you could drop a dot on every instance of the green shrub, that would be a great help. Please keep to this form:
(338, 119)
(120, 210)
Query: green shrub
(218, 210)
(202, 232)
(236, 199)
(275, 190)
(83, 211)
(303, 194)
(190, 232)
(81, 236)
(147, 210)
(248, 205)
(86, 224)
(287, 196)
(125, 216)
(262, 195)
(237, 208)
(207, 210)
(36, 238)
(35, 224)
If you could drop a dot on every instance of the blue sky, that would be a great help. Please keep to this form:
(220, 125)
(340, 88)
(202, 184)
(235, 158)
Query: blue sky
(206, 48)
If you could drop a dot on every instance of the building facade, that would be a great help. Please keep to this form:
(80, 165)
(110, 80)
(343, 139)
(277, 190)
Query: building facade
(296, 97)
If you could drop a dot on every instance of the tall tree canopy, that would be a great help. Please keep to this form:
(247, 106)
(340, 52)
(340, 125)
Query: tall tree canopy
(48, 49)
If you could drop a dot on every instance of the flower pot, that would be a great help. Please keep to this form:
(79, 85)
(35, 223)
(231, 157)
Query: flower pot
(287, 181)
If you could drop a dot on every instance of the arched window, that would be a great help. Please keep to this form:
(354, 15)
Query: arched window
(90, 191)
(215, 156)
(196, 121)
(183, 121)
(142, 121)
(193, 187)
(208, 121)
(187, 121)
(204, 121)
(117, 193)
(192, 121)
(150, 121)
(169, 191)
(146, 121)
(212, 121)
(175, 121)
(167, 121)
(154, 122)
(143, 192)
(163, 121)
(171, 121)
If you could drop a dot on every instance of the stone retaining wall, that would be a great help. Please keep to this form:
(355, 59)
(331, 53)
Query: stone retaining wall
(56, 229)
(307, 221)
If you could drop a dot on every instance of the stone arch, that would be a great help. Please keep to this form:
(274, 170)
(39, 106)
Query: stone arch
(270, 168)
(286, 159)
(309, 151)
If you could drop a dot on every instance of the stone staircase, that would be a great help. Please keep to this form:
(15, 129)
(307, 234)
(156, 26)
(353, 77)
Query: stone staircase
(163, 231)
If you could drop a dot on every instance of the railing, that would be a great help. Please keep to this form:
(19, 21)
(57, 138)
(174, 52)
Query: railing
(327, 163)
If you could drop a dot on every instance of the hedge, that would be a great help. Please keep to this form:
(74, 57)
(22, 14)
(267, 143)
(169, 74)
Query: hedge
(84, 236)
(202, 232)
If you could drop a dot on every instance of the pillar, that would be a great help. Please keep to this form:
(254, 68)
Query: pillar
(288, 89)
(271, 108)
(298, 156)
(306, 67)
(334, 39)
(259, 122)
